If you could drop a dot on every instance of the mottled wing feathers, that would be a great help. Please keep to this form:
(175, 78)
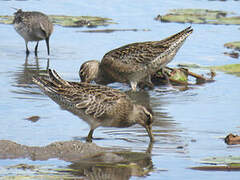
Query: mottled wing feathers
(136, 52)
(93, 99)
(139, 54)
(133, 56)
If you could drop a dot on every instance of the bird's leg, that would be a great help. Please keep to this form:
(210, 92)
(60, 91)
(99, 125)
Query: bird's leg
(89, 137)
(27, 51)
(150, 147)
(133, 85)
(36, 47)
(47, 43)
(47, 64)
(148, 82)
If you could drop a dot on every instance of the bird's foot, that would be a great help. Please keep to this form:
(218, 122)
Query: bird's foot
(89, 140)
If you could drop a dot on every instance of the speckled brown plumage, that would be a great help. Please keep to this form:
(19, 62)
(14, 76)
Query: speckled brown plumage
(33, 26)
(135, 62)
(98, 105)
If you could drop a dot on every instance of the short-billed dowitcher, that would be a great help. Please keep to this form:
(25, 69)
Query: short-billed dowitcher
(133, 63)
(98, 105)
(33, 26)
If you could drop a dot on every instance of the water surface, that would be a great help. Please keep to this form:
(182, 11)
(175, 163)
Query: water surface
(188, 124)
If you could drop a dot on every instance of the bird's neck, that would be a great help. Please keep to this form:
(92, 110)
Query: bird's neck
(102, 77)
(134, 115)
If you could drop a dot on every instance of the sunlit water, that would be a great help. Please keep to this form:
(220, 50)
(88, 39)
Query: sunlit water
(189, 125)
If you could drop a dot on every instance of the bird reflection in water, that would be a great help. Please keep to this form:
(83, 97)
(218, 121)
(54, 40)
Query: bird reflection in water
(131, 164)
(115, 165)
(140, 97)
(23, 77)
(87, 159)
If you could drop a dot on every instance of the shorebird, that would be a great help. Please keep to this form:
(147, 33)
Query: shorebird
(133, 63)
(98, 105)
(33, 26)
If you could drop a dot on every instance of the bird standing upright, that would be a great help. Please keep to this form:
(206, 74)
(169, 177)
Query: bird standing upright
(98, 105)
(133, 63)
(33, 26)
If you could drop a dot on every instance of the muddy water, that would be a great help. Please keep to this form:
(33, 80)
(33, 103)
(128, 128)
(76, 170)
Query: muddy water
(189, 125)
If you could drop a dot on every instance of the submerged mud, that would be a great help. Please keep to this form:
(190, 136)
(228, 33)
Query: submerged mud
(87, 159)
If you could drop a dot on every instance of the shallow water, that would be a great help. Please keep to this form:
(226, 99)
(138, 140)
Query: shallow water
(188, 124)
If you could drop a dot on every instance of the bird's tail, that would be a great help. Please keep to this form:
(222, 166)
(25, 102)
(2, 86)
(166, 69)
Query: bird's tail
(180, 35)
(50, 84)
(172, 44)
(178, 40)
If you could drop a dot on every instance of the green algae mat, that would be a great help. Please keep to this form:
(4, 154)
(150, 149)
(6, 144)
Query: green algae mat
(229, 163)
(70, 21)
(228, 68)
(199, 16)
(233, 45)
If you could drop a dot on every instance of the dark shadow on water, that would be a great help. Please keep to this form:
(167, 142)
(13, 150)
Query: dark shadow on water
(140, 97)
(84, 138)
(124, 165)
(167, 131)
(156, 104)
(87, 159)
(133, 164)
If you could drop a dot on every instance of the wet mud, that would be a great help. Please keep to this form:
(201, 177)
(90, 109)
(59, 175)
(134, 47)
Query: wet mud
(87, 159)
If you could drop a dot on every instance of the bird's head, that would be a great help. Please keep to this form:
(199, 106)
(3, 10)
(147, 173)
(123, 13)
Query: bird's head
(17, 15)
(89, 71)
(144, 117)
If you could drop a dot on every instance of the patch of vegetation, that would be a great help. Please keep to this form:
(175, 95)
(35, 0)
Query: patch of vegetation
(112, 30)
(222, 160)
(229, 163)
(233, 45)
(229, 68)
(79, 21)
(199, 16)
(70, 21)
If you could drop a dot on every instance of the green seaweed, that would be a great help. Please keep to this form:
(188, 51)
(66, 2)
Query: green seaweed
(69, 21)
(229, 163)
(111, 30)
(180, 75)
(79, 21)
(229, 68)
(6, 19)
(199, 12)
(188, 65)
(199, 16)
(233, 45)
(229, 160)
